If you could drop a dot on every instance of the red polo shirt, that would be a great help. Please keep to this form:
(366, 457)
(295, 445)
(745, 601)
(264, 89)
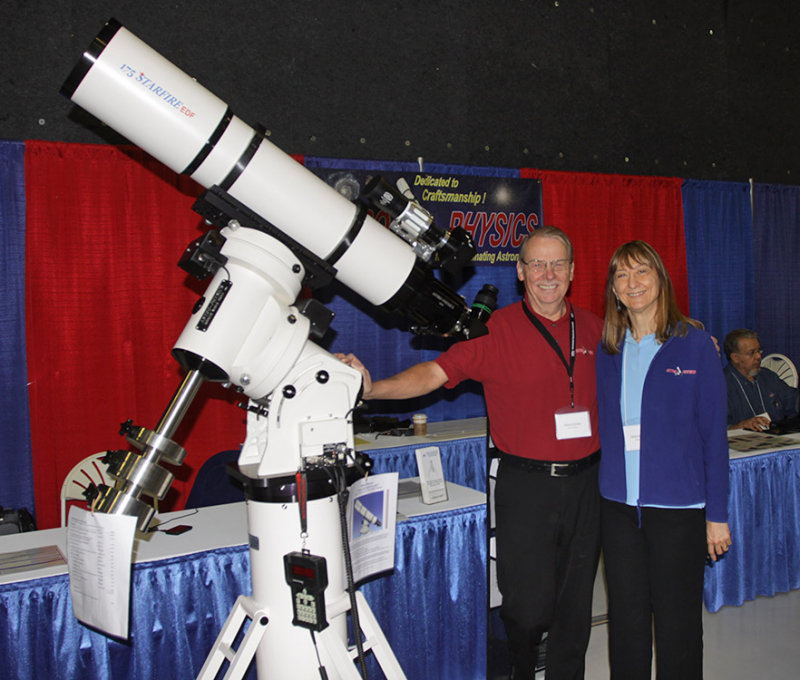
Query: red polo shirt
(525, 382)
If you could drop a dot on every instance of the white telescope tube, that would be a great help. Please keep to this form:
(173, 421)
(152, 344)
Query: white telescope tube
(133, 89)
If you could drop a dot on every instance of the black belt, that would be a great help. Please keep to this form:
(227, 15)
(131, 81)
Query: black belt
(551, 467)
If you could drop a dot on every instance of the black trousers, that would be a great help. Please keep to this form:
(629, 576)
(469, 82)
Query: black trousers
(548, 546)
(654, 572)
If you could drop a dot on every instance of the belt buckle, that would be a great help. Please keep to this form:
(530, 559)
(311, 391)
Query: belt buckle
(556, 467)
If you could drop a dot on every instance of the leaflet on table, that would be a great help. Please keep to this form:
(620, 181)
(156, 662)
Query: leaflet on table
(431, 475)
(371, 512)
(99, 550)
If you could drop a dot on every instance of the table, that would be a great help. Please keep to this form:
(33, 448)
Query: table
(184, 586)
(764, 516)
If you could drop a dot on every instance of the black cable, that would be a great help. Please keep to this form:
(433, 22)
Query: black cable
(340, 483)
(323, 674)
(171, 519)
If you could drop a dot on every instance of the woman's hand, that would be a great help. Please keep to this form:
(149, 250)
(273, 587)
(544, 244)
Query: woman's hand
(718, 538)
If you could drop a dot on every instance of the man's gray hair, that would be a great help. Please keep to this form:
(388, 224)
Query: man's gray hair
(548, 231)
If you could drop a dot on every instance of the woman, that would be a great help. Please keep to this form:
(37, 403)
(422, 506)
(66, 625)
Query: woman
(664, 469)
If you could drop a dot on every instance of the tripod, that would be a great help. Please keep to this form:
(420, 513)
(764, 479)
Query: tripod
(283, 650)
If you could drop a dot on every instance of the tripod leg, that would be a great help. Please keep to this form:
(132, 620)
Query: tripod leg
(239, 658)
(342, 658)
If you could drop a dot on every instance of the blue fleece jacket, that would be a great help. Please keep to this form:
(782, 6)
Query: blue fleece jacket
(684, 443)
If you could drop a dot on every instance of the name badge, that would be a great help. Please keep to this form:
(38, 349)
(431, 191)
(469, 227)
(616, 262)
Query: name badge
(573, 423)
(633, 437)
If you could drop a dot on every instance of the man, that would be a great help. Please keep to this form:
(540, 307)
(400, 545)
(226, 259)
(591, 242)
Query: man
(756, 396)
(537, 367)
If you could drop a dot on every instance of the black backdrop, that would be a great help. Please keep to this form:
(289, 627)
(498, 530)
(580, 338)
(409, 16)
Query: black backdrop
(705, 90)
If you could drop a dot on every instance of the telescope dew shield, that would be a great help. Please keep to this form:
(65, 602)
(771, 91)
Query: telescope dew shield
(144, 97)
(136, 91)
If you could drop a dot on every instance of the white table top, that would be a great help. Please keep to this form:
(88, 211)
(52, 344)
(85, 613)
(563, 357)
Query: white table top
(442, 431)
(448, 430)
(409, 499)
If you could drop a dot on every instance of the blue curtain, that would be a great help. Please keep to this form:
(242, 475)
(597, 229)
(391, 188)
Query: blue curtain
(177, 609)
(719, 232)
(376, 339)
(776, 216)
(16, 472)
(433, 611)
(763, 512)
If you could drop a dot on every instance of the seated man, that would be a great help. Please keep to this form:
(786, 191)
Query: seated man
(756, 396)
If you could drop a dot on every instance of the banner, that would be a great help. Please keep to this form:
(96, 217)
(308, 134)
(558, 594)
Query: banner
(496, 211)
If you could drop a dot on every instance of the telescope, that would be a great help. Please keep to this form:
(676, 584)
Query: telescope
(279, 227)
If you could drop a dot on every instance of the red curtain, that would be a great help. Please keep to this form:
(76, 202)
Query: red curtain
(600, 212)
(105, 302)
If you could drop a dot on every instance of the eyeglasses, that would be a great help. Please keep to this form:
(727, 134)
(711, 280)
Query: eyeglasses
(540, 266)
(751, 352)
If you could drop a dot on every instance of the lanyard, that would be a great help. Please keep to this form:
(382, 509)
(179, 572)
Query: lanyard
(760, 396)
(552, 342)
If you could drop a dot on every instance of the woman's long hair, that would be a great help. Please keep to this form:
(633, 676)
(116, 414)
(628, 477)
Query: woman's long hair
(670, 321)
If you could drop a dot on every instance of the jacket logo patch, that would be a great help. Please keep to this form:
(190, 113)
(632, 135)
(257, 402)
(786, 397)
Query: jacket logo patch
(681, 371)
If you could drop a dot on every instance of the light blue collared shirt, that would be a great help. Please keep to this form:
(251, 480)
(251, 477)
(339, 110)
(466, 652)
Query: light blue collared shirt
(636, 359)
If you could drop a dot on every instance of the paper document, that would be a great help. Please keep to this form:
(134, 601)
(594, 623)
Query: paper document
(32, 558)
(99, 551)
(372, 515)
